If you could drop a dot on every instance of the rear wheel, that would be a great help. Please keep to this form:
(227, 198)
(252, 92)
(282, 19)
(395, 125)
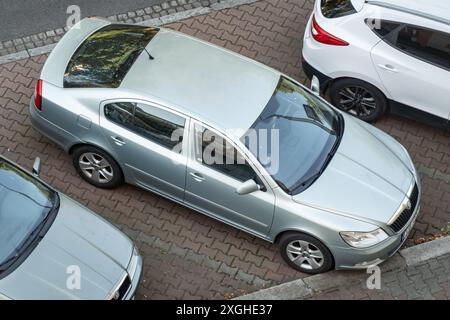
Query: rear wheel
(358, 98)
(305, 253)
(97, 167)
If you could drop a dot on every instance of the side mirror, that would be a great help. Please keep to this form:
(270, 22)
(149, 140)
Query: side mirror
(315, 85)
(37, 167)
(248, 187)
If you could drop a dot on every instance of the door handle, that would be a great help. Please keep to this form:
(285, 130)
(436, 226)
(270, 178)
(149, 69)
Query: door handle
(118, 140)
(198, 177)
(388, 67)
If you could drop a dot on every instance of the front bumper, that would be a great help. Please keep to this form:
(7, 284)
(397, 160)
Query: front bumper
(353, 258)
(135, 279)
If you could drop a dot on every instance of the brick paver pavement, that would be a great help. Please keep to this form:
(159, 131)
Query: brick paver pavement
(429, 280)
(188, 255)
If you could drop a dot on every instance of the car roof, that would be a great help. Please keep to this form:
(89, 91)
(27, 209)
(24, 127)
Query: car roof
(437, 10)
(203, 81)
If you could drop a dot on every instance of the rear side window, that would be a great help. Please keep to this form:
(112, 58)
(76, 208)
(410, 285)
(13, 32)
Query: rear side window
(382, 28)
(337, 8)
(105, 57)
(429, 45)
(121, 113)
(160, 126)
(157, 125)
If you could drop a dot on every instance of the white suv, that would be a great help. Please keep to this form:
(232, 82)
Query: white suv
(383, 55)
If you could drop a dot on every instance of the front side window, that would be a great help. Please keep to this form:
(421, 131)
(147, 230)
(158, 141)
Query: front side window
(104, 58)
(157, 125)
(25, 205)
(297, 134)
(214, 151)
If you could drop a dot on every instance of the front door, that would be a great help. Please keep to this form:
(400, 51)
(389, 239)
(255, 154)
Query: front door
(147, 141)
(215, 170)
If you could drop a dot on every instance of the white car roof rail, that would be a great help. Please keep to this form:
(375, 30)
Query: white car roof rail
(418, 13)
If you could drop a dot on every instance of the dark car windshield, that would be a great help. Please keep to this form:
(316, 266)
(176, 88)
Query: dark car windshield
(25, 204)
(297, 134)
(105, 57)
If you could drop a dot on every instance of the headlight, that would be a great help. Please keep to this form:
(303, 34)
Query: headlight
(363, 239)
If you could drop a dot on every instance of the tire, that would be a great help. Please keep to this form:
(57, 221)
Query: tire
(302, 260)
(358, 98)
(97, 167)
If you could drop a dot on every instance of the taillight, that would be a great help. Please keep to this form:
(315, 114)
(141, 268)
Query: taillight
(38, 95)
(324, 37)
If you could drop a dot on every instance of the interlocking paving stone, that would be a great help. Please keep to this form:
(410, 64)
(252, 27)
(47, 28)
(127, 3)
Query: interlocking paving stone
(186, 253)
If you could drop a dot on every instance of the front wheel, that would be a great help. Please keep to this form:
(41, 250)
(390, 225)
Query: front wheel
(305, 253)
(358, 98)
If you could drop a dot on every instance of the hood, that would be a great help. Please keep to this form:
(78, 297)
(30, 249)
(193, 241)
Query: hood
(77, 238)
(364, 180)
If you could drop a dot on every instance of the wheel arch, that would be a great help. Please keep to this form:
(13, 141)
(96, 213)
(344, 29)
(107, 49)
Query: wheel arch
(292, 230)
(77, 145)
(375, 84)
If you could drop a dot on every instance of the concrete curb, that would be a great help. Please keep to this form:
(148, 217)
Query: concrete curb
(307, 287)
(159, 21)
(425, 251)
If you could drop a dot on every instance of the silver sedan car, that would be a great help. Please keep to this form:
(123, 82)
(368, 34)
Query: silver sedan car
(51, 247)
(230, 138)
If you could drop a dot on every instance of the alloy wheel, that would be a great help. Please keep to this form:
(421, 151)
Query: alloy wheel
(357, 101)
(305, 254)
(95, 167)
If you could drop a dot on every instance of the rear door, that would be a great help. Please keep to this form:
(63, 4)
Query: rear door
(148, 141)
(413, 63)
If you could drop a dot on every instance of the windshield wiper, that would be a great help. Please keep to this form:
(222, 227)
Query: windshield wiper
(308, 181)
(36, 234)
(297, 119)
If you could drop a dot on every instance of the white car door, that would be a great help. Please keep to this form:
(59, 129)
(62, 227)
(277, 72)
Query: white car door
(414, 65)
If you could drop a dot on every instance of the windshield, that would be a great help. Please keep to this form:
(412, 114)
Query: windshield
(25, 204)
(105, 57)
(296, 136)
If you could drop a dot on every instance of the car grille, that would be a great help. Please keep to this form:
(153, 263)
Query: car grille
(407, 213)
(121, 292)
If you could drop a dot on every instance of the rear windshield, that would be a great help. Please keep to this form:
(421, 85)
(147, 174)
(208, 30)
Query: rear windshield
(337, 8)
(105, 57)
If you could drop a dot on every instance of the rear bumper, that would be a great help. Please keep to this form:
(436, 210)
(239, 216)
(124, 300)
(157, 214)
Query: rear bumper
(310, 71)
(56, 134)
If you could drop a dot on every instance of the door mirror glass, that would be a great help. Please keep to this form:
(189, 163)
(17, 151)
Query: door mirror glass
(315, 85)
(248, 187)
(37, 167)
